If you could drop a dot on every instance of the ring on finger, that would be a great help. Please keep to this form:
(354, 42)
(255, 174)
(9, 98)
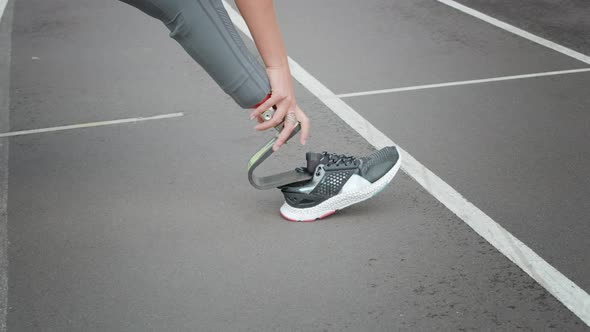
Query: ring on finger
(291, 118)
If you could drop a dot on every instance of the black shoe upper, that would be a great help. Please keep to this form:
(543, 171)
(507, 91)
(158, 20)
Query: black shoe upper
(377, 164)
(332, 171)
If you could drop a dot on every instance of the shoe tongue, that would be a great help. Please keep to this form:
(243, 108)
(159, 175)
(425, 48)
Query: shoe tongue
(313, 160)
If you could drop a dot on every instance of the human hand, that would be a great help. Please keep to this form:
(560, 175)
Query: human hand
(287, 109)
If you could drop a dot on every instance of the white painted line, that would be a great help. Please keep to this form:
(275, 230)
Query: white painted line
(517, 31)
(572, 296)
(440, 85)
(89, 124)
(2, 7)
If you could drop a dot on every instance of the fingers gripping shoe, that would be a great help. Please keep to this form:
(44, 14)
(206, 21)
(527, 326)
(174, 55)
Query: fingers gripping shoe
(338, 181)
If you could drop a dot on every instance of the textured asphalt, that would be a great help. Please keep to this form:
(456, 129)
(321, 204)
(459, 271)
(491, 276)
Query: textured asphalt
(516, 149)
(5, 34)
(154, 227)
(563, 21)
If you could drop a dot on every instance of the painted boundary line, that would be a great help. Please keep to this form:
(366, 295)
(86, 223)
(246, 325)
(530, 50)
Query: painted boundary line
(566, 291)
(2, 7)
(90, 124)
(440, 85)
(517, 31)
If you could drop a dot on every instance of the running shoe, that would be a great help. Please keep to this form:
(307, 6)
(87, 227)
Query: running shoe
(338, 181)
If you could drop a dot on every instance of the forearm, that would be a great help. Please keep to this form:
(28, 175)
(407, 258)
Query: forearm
(262, 23)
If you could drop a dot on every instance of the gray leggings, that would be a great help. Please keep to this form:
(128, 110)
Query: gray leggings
(205, 31)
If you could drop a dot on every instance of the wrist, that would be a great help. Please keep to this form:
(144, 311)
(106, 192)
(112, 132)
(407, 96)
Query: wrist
(280, 65)
(281, 71)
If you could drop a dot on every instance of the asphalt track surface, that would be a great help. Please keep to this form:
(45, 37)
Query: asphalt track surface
(152, 226)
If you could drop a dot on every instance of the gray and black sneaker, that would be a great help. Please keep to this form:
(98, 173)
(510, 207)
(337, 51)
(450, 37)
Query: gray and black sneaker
(338, 181)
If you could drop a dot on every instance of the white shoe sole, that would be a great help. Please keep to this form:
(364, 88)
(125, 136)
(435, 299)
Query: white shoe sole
(339, 201)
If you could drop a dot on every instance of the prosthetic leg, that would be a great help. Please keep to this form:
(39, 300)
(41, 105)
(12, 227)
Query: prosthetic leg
(274, 180)
(329, 182)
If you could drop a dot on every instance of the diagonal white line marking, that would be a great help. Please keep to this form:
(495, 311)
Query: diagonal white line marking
(440, 85)
(2, 7)
(566, 291)
(90, 124)
(517, 31)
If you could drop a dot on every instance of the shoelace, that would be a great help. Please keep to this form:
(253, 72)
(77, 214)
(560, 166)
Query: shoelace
(337, 159)
(334, 159)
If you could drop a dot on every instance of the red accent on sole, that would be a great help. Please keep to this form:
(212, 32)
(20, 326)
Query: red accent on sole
(310, 220)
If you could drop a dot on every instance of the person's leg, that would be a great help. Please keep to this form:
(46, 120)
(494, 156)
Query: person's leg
(205, 31)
